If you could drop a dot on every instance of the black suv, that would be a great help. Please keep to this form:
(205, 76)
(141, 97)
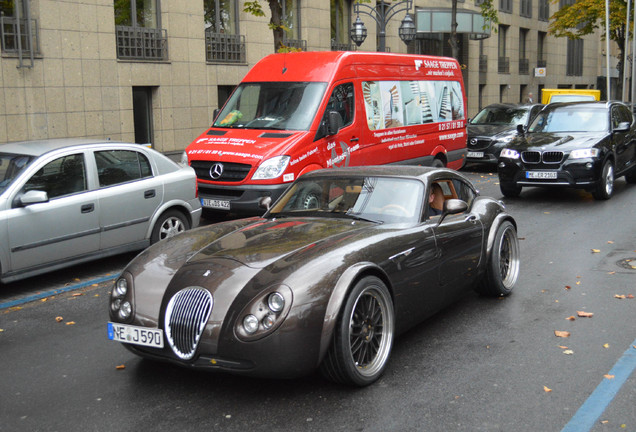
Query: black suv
(581, 145)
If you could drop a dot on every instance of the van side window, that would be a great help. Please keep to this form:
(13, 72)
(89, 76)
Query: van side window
(342, 101)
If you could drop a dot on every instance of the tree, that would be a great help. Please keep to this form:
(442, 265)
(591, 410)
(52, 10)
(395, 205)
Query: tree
(585, 17)
(276, 23)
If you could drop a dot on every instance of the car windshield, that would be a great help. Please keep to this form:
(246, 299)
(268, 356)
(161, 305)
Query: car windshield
(571, 119)
(10, 166)
(272, 105)
(377, 199)
(501, 116)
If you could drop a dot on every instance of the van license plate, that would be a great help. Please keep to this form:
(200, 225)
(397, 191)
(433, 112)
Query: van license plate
(215, 204)
(541, 175)
(472, 154)
(145, 336)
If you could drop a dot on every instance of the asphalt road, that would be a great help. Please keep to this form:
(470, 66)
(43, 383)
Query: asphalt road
(480, 365)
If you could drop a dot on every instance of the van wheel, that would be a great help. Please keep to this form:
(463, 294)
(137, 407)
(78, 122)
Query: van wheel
(310, 199)
(438, 163)
(169, 225)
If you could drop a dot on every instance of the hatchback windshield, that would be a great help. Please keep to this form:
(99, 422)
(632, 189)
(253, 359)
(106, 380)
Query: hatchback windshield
(571, 119)
(10, 166)
(272, 105)
(501, 116)
(379, 199)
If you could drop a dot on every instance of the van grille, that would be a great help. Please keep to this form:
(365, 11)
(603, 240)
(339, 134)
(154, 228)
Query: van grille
(229, 172)
(186, 315)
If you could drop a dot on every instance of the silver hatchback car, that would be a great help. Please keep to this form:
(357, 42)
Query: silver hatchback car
(63, 202)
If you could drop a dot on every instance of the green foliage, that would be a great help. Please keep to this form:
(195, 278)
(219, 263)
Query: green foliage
(489, 12)
(586, 17)
(254, 8)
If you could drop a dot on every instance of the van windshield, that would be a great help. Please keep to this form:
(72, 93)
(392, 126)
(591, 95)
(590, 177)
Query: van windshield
(272, 105)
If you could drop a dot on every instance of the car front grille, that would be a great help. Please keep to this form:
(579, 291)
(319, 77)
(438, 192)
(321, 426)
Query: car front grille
(548, 157)
(186, 315)
(220, 171)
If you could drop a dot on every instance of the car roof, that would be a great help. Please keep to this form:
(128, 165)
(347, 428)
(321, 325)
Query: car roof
(39, 147)
(585, 104)
(510, 105)
(412, 171)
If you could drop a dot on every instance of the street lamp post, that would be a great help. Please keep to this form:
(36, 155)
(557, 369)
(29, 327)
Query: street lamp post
(382, 15)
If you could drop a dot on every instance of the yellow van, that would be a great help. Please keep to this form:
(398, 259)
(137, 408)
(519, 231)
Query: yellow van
(569, 95)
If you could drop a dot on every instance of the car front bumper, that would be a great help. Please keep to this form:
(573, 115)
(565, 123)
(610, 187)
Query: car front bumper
(578, 173)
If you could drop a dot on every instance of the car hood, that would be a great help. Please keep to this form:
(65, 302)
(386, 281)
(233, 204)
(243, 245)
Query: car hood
(557, 141)
(260, 243)
(488, 130)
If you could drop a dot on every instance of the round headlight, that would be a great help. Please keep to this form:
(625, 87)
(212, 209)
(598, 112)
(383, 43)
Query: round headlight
(276, 302)
(125, 310)
(268, 322)
(250, 324)
(121, 288)
(115, 305)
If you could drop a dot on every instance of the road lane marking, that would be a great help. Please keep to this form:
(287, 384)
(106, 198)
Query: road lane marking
(587, 416)
(57, 291)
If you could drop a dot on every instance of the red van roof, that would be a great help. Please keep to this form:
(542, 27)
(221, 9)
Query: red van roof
(329, 65)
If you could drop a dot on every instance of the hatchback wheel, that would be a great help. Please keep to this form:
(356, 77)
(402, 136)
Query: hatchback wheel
(168, 225)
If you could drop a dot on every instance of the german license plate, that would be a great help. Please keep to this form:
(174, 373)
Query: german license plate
(215, 204)
(135, 335)
(541, 175)
(472, 154)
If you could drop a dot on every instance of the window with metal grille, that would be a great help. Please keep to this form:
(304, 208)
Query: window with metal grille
(138, 30)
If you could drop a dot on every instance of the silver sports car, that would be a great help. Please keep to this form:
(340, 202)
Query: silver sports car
(63, 202)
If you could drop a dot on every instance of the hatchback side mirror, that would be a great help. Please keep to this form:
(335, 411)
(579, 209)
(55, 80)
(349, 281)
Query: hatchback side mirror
(31, 197)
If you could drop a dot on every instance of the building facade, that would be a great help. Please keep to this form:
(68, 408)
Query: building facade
(153, 71)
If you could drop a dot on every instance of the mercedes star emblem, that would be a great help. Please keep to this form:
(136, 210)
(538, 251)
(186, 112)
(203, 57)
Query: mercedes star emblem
(216, 171)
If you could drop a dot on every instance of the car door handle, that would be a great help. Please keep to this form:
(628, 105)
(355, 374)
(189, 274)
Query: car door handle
(87, 208)
(149, 194)
(354, 139)
(471, 218)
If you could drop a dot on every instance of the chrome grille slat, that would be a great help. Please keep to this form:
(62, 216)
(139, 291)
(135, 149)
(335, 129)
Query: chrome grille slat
(547, 157)
(186, 316)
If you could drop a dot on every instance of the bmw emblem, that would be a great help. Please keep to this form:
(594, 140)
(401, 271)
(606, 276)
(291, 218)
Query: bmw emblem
(216, 171)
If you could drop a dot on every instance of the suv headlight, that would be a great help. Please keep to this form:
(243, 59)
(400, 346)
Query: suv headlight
(509, 153)
(584, 153)
(271, 168)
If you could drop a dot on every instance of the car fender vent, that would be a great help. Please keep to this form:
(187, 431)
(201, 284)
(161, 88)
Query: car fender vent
(186, 316)
(216, 132)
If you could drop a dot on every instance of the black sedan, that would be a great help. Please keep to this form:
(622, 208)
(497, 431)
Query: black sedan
(344, 261)
(494, 127)
(581, 145)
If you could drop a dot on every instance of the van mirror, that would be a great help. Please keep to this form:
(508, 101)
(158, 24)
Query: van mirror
(334, 122)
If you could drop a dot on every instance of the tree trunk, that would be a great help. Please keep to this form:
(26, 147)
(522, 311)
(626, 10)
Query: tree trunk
(277, 24)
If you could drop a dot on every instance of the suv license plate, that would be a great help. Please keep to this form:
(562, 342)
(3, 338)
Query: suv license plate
(472, 154)
(215, 204)
(135, 335)
(541, 175)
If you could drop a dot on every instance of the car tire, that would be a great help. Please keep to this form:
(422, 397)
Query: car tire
(438, 163)
(502, 268)
(168, 225)
(630, 177)
(605, 186)
(509, 190)
(363, 336)
(311, 198)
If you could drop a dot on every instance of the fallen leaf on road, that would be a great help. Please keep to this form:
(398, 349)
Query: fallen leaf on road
(77, 294)
(70, 323)
(620, 296)
(630, 296)
(567, 287)
(59, 319)
(546, 389)
(43, 300)
(583, 314)
(120, 367)
(608, 376)
(606, 345)
(612, 272)
(568, 352)
(571, 318)
(563, 334)
(563, 347)
(596, 250)
(610, 242)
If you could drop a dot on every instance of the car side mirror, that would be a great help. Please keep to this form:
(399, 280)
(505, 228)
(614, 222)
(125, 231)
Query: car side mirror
(521, 130)
(334, 122)
(622, 127)
(32, 197)
(265, 202)
(453, 206)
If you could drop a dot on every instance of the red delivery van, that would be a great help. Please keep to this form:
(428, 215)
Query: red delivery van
(298, 112)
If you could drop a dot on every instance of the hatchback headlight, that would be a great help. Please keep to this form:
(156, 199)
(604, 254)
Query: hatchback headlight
(509, 153)
(184, 159)
(584, 153)
(271, 168)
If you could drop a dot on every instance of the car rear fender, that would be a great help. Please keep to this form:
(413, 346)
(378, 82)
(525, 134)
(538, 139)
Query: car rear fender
(347, 280)
(499, 219)
(182, 206)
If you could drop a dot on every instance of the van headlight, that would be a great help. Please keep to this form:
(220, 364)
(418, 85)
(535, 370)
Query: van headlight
(271, 168)
(584, 153)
